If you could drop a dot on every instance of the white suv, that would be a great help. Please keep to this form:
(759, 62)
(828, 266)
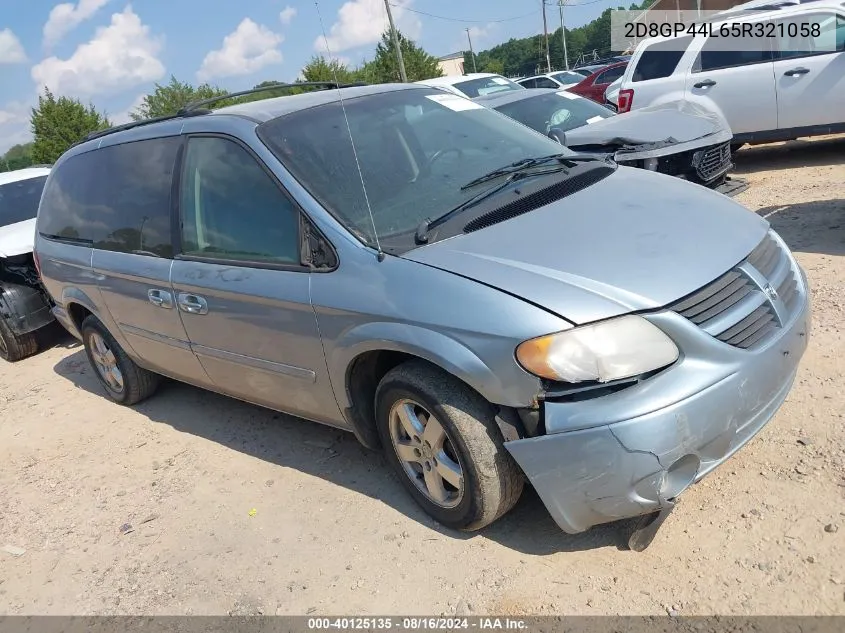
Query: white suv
(784, 89)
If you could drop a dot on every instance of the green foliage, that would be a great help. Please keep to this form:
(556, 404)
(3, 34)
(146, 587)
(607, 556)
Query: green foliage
(59, 123)
(17, 157)
(166, 100)
(321, 69)
(385, 69)
(527, 56)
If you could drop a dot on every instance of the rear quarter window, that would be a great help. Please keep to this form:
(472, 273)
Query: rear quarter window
(659, 60)
(116, 198)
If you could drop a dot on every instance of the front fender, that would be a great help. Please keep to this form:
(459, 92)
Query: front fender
(437, 348)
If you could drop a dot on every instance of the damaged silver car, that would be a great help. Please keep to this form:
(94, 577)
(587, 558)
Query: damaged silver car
(678, 138)
(24, 304)
(480, 303)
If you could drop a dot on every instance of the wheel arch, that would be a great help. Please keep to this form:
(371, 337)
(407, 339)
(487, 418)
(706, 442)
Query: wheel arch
(367, 353)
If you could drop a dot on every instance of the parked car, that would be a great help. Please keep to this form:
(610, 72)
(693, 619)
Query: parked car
(594, 84)
(473, 84)
(561, 79)
(454, 287)
(795, 89)
(24, 304)
(604, 61)
(680, 138)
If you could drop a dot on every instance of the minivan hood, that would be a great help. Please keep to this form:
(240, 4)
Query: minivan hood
(17, 238)
(636, 240)
(654, 126)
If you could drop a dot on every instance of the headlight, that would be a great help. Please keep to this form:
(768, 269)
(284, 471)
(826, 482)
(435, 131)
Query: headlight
(650, 164)
(610, 350)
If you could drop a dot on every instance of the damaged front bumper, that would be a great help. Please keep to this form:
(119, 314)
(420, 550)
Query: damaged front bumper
(634, 451)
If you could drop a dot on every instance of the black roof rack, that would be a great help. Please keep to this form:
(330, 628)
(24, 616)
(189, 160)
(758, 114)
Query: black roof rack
(196, 108)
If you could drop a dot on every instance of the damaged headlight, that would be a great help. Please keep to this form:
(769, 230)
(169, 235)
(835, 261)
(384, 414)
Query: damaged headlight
(610, 350)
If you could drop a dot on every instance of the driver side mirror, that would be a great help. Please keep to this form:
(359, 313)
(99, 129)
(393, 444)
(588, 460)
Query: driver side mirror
(556, 134)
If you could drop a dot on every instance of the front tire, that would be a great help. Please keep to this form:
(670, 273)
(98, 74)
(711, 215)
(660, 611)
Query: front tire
(13, 347)
(124, 381)
(442, 440)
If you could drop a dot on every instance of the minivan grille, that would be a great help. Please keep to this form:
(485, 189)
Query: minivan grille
(713, 162)
(747, 306)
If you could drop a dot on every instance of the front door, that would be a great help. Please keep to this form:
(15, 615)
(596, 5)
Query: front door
(240, 286)
(810, 70)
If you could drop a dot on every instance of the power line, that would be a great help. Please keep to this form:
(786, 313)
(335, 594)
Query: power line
(441, 17)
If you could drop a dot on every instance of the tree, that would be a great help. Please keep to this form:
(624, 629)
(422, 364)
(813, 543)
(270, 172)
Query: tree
(384, 68)
(17, 157)
(59, 123)
(166, 100)
(321, 69)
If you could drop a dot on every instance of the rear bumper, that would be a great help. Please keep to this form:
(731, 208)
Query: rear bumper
(698, 413)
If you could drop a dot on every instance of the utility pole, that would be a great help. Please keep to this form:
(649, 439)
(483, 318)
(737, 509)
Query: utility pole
(546, 35)
(563, 34)
(395, 36)
(471, 53)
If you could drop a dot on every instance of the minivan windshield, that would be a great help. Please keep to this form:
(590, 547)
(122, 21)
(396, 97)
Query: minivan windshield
(416, 148)
(19, 200)
(561, 110)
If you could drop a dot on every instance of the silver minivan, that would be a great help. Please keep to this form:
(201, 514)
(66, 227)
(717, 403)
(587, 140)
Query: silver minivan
(440, 280)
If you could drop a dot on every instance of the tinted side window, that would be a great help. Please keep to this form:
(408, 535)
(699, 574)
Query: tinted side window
(609, 76)
(661, 59)
(729, 52)
(116, 198)
(528, 83)
(232, 209)
(19, 200)
(545, 82)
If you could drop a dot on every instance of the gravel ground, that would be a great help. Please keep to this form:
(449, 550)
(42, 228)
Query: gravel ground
(192, 503)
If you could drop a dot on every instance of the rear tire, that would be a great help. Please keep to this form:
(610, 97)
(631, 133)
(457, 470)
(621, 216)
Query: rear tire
(470, 443)
(129, 384)
(14, 347)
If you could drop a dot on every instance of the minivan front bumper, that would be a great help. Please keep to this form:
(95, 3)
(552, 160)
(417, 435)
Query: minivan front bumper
(633, 452)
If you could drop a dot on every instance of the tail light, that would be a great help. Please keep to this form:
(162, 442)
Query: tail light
(625, 100)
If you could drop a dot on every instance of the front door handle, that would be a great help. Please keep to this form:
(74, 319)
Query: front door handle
(796, 71)
(704, 84)
(160, 298)
(192, 304)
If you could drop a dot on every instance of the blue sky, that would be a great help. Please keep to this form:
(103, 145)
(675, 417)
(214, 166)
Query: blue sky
(112, 52)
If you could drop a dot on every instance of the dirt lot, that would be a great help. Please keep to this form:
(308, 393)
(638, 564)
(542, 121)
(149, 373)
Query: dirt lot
(234, 509)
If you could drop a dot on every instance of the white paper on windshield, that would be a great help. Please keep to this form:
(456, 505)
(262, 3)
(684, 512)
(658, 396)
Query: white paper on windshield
(567, 95)
(499, 80)
(454, 102)
(594, 119)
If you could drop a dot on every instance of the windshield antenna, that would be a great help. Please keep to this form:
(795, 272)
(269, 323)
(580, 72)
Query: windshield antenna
(349, 131)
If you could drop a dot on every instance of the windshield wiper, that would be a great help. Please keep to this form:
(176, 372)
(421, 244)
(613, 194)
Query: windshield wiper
(566, 160)
(424, 227)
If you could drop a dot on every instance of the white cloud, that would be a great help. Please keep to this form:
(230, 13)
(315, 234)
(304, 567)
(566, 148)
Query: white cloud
(11, 50)
(66, 16)
(287, 14)
(247, 49)
(14, 125)
(121, 55)
(123, 117)
(361, 22)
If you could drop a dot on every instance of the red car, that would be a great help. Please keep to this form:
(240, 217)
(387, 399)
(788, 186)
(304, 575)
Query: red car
(594, 84)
